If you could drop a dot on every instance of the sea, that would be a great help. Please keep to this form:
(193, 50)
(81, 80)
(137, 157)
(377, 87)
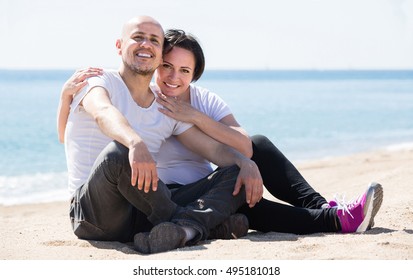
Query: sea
(308, 115)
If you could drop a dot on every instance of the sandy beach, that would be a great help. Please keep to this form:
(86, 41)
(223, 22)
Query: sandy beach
(42, 231)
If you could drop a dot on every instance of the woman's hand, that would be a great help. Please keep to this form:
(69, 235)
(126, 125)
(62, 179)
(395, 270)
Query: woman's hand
(71, 87)
(78, 80)
(177, 109)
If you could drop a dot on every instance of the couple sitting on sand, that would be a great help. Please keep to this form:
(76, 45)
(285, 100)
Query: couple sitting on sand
(139, 154)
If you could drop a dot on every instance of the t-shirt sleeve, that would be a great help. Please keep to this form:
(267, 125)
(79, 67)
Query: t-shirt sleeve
(218, 108)
(181, 127)
(211, 104)
(98, 81)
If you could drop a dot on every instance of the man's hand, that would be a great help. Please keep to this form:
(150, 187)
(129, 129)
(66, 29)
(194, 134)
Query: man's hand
(250, 177)
(143, 168)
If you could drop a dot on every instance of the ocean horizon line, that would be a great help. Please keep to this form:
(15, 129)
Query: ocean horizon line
(224, 74)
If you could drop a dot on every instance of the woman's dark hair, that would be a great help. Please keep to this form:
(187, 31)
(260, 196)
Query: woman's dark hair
(178, 38)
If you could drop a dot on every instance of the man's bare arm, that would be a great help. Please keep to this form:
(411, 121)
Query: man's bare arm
(115, 125)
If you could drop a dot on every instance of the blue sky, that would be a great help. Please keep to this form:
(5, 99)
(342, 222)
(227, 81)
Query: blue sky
(235, 34)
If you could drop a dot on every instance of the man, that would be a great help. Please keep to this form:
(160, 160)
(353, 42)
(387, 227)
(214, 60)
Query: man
(115, 185)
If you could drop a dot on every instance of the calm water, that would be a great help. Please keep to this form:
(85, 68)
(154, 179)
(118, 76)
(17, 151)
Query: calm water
(307, 114)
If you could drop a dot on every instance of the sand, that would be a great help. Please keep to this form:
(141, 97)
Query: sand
(42, 231)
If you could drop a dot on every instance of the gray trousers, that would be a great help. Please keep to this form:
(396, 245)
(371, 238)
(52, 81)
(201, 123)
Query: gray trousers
(107, 207)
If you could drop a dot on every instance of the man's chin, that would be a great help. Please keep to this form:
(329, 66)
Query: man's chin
(144, 72)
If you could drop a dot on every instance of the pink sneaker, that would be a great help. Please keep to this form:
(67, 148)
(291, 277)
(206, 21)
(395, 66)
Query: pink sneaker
(332, 203)
(358, 215)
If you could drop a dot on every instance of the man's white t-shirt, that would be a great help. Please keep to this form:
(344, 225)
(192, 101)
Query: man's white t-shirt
(177, 164)
(84, 140)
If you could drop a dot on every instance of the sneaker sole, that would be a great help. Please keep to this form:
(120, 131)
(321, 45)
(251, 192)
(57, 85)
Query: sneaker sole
(372, 191)
(378, 199)
(165, 237)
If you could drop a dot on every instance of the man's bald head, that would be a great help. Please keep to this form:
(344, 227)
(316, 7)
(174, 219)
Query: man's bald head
(136, 21)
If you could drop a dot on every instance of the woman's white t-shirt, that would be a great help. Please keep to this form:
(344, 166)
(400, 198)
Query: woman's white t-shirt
(177, 164)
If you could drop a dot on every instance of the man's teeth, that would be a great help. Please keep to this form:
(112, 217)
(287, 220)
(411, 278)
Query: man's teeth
(144, 55)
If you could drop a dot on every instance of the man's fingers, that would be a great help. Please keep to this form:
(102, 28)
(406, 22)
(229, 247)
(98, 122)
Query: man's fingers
(145, 179)
(134, 175)
(147, 182)
(141, 180)
(154, 180)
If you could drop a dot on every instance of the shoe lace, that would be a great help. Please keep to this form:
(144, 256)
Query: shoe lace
(344, 205)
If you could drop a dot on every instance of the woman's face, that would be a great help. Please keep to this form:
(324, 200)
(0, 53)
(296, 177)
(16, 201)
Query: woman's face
(175, 74)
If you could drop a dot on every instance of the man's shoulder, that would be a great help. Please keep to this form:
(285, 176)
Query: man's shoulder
(108, 71)
(110, 80)
(110, 74)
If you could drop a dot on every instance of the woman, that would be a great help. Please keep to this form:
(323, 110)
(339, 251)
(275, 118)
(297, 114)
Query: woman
(308, 211)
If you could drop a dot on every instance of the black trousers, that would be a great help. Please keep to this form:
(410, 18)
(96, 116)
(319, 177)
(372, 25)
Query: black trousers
(303, 214)
(108, 207)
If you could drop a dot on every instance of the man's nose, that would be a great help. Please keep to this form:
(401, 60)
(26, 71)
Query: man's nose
(145, 42)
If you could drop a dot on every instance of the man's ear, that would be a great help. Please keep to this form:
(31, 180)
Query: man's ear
(119, 46)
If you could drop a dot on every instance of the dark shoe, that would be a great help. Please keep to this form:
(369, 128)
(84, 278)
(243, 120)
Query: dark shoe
(163, 237)
(236, 226)
(141, 242)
